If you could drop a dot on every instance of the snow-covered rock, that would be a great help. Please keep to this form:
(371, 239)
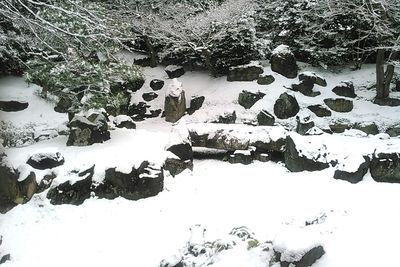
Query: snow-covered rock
(313, 78)
(264, 118)
(175, 101)
(286, 106)
(12, 105)
(283, 61)
(156, 84)
(248, 72)
(248, 99)
(124, 121)
(345, 89)
(89, 130)
(46, 160)
(174, 71)
(233, 137)
(385, 166)
(352, 174)
(339, 104)
(196, 102)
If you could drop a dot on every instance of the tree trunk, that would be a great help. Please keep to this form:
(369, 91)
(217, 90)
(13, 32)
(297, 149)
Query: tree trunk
(153, 54)
(384, 78)
(207, 60)
(380, 75)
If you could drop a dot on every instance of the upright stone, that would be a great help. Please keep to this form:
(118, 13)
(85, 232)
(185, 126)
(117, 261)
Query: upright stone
(175, 102)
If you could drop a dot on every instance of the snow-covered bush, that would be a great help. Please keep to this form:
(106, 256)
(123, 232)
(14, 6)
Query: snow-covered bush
(12, 136)
(85, 83)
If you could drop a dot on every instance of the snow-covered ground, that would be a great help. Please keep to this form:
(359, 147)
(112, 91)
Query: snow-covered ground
(357, 223)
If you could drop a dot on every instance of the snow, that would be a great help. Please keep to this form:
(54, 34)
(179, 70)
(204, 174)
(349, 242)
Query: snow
(281, 50)
(361, 224)
(179, 134)
(174, 89)
(172, 68)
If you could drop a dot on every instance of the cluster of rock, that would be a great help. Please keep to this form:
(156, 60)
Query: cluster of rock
(198, 252)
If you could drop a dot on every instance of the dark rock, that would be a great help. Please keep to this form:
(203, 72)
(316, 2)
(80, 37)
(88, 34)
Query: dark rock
(138, 109)
(320, 111)
(385, 167)
(248, 72)
(248, 99)
(42, 161)
(390, 102)
(5, 258)
(156, 84)
(146, 181)
(183, 151)
(265, 79)
(13, 106)
(123, 121)
(87, 131)
(175, 166)
(75, 193)
(263, 157)
(63, 105)
(313, 78)
(119, 86)
(240, 156)
(264, 118)
(339, 104)
(308, 259)
(227, 118)
(367, 127)
(283, 62)
(394, 130)
(28, 187)
(154, 113)
(9, 191)
(149, 96)
(174, 71)
(397, 88)
(306, 88)
(45, 183)
(339, 127)
(195, 104)
(345, 89)
(143, 62)
(303, 125)
(352, 177)
(286, 106)
(296, 162)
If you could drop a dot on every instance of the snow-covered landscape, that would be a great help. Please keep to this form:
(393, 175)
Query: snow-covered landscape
(224, 133)
(355, 223)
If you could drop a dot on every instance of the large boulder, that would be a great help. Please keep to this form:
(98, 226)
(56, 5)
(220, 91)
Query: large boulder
(286, 106)
(389, 102)
(9, 190)
(304, 124)
(320, 111)
(312, 77)
(248, 99)
(74, 193)
(156, 84)
(305, 87)
(174, 71)
(393, 130)
(175, 102)
(283, 62)
(46, 160)
(385, 167)
(353, 170)
(297, 159)
(367, 127)
(196, 102)
(339, 104)
(89, 130)
(145, 181)
(249, 72)
(180, 148)
(264, 118)
(345, 89)
(265, 79)
(13, 105)
(238, 137)
(149, 96)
